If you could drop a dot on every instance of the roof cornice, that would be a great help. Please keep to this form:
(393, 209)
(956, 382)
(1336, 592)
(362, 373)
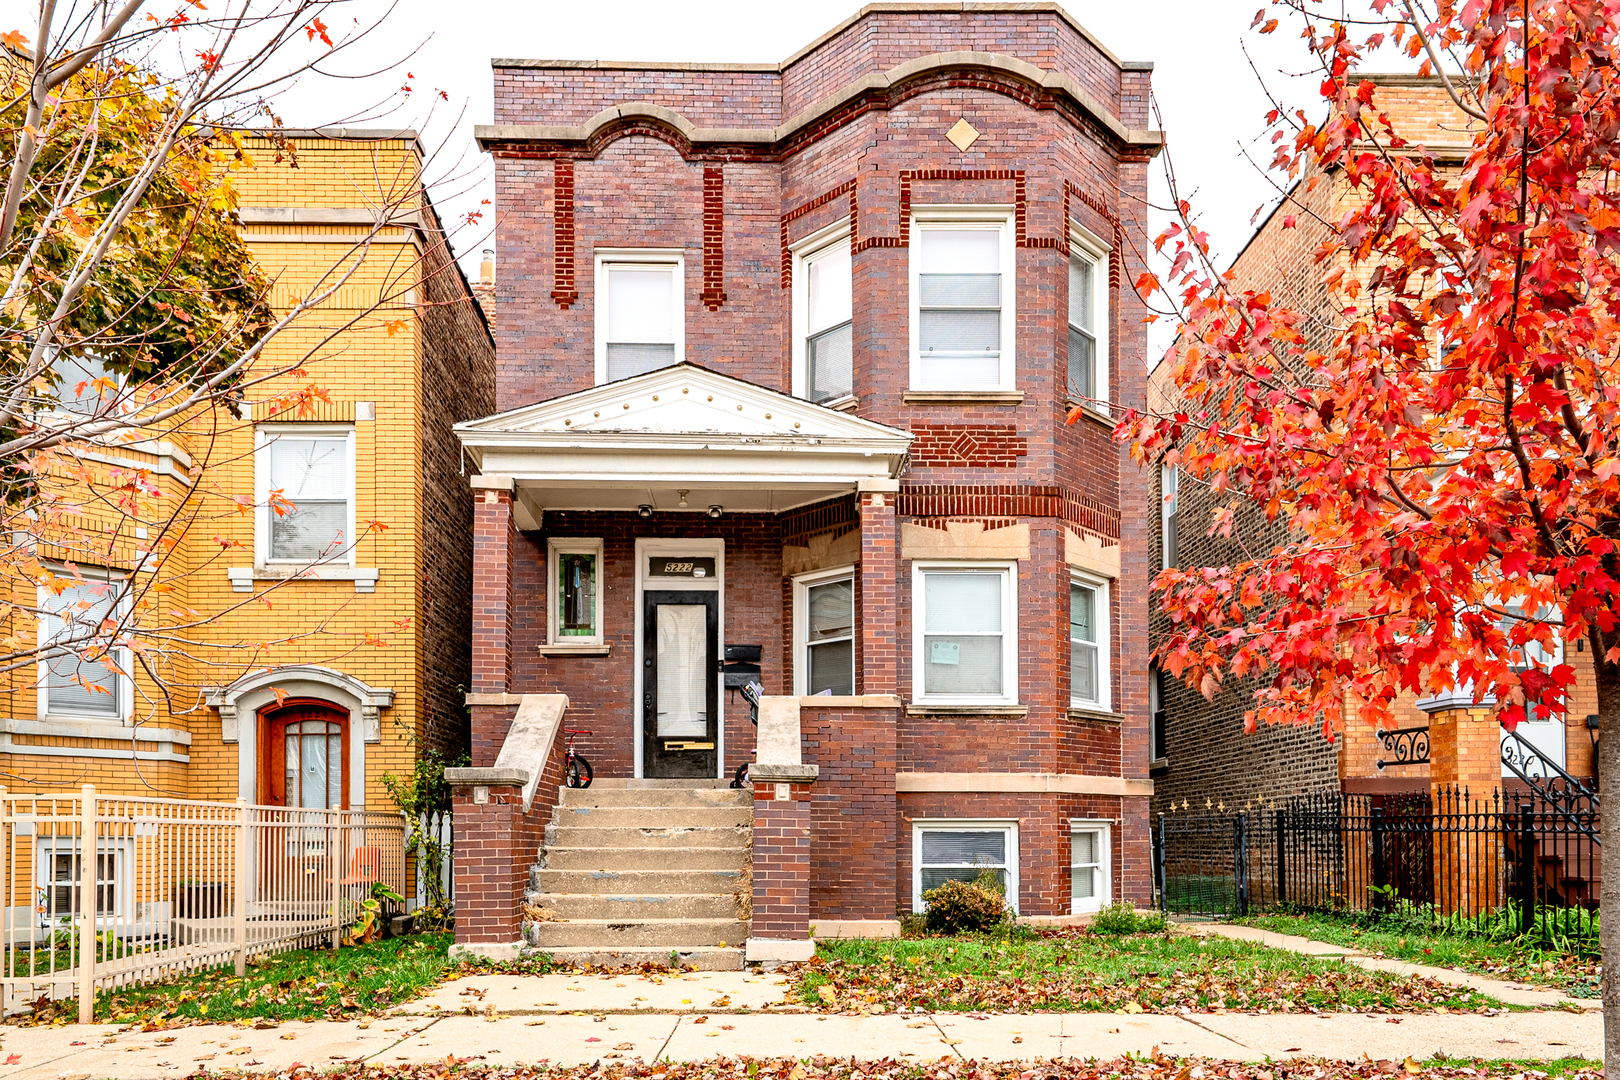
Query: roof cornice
(879, 86)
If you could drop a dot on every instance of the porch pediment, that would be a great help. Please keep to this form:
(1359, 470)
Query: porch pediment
(643, 440)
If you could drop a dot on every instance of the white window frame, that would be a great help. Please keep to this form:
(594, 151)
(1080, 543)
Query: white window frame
(804, 253)
(1086, 245)
(124, 690)
(1103, 615)
(924, 218)
(801, 625)
(1169, 507)
(1009, 630)
(1009, 826)
(607, 258)
(1105, 865)
(45, 850)
(263, 436)
(1155, 707)
(556, 548)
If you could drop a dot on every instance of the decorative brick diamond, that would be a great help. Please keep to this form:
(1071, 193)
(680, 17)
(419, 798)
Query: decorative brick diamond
(962, 134)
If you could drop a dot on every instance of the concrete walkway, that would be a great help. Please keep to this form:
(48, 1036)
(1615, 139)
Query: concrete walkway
(577, 1019)
(1507, 992)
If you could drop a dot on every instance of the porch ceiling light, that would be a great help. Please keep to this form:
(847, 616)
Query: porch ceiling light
(644, 510)
(715, 510)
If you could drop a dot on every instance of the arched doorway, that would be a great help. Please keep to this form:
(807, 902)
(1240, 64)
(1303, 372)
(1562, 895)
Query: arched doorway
(304, 758)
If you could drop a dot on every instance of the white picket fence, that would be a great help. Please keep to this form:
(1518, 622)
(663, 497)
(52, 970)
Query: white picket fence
(176, 886)
(436, 826)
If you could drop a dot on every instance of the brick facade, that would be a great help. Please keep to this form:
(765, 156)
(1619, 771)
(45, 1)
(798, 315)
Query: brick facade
(732, 181)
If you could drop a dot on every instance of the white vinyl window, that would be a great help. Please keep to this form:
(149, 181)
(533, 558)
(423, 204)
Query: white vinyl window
(965, 633)
(306, 494)
(1088, 644)
(1088, 320)
(640, 312)
(962, 299)
(1160, 746)
(574, 592)
(1089, 879)
(823, 333)
(1170, 514)
(58, 898)
(84, 386)
(824, 632)
(88, 678)
(951, 850)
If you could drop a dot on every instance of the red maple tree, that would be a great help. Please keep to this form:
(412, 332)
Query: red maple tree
(1441, 442)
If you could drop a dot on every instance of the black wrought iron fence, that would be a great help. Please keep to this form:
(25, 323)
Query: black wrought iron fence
(1508, 863)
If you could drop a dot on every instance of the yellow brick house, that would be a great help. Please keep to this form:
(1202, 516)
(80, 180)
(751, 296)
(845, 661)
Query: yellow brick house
(318, 648)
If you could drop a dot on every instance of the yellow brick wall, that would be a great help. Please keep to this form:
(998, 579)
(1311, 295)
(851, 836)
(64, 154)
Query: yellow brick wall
(354, 351)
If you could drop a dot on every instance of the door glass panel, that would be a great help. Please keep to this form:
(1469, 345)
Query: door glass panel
(681, 662)
(314, 765)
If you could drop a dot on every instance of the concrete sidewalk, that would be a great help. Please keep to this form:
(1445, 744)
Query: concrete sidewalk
(515, 1019)
(1507, 992)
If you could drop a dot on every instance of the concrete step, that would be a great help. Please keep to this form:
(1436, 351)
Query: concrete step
(646, 858)
(620, 817)
(703, 959)
(626, 882)
(692, 798)
(623, 782)
(637, 933)
(646, 836)
(633, 908)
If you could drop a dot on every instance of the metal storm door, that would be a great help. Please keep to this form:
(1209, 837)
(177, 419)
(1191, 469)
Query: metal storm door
(680, 696)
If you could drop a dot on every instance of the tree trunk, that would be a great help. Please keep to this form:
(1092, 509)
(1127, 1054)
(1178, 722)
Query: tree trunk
(1608, 770)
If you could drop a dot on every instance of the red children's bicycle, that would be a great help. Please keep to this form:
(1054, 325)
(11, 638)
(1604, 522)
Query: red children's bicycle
(576, 770)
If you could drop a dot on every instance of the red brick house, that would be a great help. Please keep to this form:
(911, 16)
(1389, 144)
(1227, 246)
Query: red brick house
(785, 354)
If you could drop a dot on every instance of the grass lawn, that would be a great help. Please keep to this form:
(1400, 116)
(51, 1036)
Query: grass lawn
(1512, 960)
(1077, 969)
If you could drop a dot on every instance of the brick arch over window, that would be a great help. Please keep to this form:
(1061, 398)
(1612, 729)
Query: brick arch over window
(241, 703)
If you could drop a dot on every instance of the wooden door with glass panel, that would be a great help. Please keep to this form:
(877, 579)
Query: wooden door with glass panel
(304, 768)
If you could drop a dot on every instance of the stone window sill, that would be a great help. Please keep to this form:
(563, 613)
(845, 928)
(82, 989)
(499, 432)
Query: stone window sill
(846, 403)
(575, 650)
(1100, 715)
(243, 578)
(1094, 414)
(963, 397)
(1004, 711)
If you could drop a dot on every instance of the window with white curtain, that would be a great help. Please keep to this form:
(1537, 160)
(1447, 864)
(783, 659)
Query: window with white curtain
(962, 300)
(306, 494)
(1088, 644)
(1088, 320)
(965, 633)
(1170, 514)
(640, 315)
(824, 632)
(824, 351)
(1089, 879)
(953, 850)
(87, 678)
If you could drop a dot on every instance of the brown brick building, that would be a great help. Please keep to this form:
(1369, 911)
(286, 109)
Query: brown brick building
(1202, 758)
(785, 354)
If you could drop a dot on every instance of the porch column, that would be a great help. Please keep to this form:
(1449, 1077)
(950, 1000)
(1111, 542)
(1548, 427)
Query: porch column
(1465, 753)
(779, 927)
(493, 540)
(879, 657)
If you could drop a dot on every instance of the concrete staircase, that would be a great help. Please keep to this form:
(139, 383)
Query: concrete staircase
(635, 870)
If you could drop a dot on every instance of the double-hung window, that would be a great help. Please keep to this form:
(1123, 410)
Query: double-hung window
(640, 312)
(949, 850)
(964, 636)
(1170, 514)
(824, 632)
(84, 672)
(59, 898)
(1088, 320)
(1088, 644)
(85, 386)
(962, 299)
(1160, 746)
(823, 351)
(1089, 884)
(306, 494)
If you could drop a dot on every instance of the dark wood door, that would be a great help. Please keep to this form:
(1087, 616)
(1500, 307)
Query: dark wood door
(680, 684)
(303, 755)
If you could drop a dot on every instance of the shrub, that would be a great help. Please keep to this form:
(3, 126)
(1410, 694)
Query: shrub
(963, 907)
(1125, 919)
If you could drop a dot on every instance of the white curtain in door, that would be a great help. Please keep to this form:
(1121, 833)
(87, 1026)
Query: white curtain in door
(682, 658)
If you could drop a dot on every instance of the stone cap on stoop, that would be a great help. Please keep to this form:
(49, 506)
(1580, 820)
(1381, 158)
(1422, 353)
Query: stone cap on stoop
(792, 774)
(490, 777)
(778, 755)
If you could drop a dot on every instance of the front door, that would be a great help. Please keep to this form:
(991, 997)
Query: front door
(680, 694)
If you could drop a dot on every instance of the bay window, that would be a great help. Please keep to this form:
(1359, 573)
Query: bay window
(962, 299)
(964, 633)
(823, 350)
